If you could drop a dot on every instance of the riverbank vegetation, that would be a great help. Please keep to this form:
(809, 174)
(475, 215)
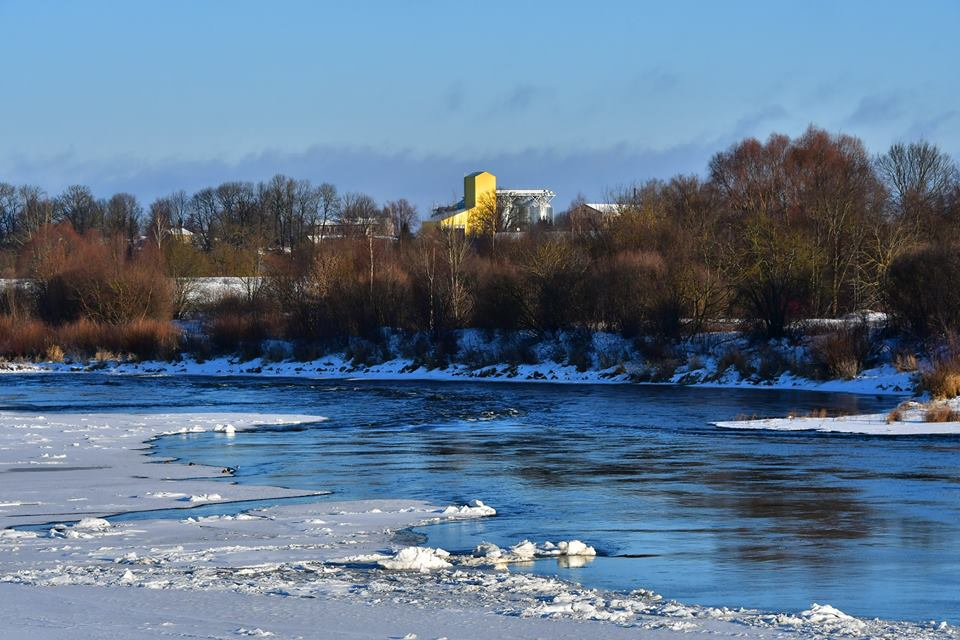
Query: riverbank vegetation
(778, 232)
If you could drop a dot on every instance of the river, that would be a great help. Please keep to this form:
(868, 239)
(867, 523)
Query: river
(715, 517)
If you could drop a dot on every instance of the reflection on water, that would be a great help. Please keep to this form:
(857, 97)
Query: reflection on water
(769, 520)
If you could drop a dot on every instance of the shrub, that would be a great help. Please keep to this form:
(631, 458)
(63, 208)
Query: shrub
(23, 338)
(615, 357)
(54, 353)
(275, 351)
(843, 353)
(656, 348)
(518, 350)
(940, 413)
(233, 332)
(772, 364)
(921, 290)
(444, 350)
(308, 350)
(84, 338)
(900, 412)
(499, 302)
(91, 277)
(735, 358)
(905, 362)
(664, 370)
(942, 379)
(149, 339)
(365, 353)
(477, 358)
(580, 350)
(102, 356)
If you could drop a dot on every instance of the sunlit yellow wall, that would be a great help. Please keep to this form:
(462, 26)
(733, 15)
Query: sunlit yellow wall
(476, 188)
(458, 221)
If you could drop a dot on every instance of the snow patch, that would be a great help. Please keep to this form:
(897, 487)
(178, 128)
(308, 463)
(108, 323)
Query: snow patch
(574, 553)
(474, 509)
(827, 616)
(203, 497)
(92, 524)
(422, 559)
(228, 429)
(255, 633)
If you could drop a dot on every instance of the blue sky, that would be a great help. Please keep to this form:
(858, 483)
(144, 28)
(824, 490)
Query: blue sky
(400, 99)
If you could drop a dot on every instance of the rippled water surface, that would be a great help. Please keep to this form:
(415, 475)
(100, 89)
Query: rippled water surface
(703, 515)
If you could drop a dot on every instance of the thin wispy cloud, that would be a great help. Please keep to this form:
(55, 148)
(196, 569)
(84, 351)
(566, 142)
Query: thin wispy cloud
(932, 127)
(760, 121)
(454, 98)
(658, 80)
(520, 98)
(878, 109)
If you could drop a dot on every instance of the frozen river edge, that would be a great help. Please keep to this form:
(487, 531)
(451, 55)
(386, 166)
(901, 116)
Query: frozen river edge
(297, 570)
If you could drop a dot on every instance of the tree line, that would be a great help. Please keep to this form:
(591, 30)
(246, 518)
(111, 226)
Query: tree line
(776, 231)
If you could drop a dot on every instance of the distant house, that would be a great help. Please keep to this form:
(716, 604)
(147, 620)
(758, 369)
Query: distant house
(590, 216)
(380, 227)
(182, 234)
(598, 209)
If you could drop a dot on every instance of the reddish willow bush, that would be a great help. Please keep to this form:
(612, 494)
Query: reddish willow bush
(100, 279)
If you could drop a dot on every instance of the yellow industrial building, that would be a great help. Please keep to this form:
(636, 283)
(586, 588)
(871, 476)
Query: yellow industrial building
(481, 199)
(479, 188)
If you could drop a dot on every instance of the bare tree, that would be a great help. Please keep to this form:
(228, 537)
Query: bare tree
(457, 248)
(489, 217)
(77, 206)
(306, 203)
(360, 212)
(123, 216)
(239, 222)
(426, 267)
(402, 216)
(205, 216)
(919, 177)
(11, 213)
(329, 205)
(160, 220)
(37, 210)
(278, 196)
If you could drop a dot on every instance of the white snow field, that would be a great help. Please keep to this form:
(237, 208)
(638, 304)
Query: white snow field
(312, 569)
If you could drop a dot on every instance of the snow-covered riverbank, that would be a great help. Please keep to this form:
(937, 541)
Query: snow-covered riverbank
(884, 380)
(312, 569)
(911, 421)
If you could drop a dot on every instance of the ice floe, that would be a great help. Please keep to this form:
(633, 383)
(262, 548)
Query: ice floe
(421, 559)
(474, 509)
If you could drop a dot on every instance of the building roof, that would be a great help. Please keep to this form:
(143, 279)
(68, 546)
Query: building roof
(604, 207)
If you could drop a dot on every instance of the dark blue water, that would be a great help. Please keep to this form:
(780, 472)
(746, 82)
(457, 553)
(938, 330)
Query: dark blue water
(726, 518)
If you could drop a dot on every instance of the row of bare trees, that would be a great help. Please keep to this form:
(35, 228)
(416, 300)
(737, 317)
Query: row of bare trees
(279, 214)
(779, 230)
